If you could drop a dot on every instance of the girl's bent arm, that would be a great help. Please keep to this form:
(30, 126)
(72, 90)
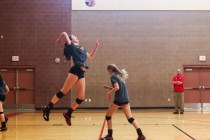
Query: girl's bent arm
(64, 36)
(108, 87)
(112, 91)
(93, 53)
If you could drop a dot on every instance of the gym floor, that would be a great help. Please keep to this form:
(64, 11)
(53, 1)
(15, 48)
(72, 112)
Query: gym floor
(87, 125)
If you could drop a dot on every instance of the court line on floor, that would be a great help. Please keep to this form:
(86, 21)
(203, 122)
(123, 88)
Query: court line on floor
(183, 132)
(102, 129)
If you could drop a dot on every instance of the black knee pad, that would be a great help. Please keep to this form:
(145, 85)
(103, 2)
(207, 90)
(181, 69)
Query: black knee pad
(60, 94)
(108, 118)
(79, 101)
(130, 120)
(1, 112)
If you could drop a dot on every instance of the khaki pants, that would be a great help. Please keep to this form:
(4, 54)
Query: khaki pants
(179, 100)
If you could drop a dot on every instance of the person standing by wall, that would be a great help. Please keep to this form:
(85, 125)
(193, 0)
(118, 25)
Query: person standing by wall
(178, 82)
(3, 91)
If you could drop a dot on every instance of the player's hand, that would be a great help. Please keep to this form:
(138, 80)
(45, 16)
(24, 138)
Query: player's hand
(107, 87)
(179, 83)
(97, 43)
(108, 96)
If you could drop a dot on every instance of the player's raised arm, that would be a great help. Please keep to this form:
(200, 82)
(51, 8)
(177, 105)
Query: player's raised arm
(93, 53)
(63, 37)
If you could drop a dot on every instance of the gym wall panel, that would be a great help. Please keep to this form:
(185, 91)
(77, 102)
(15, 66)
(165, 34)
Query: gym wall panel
(150, 45)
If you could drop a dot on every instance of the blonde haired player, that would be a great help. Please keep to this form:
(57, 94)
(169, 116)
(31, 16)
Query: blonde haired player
(121, 99)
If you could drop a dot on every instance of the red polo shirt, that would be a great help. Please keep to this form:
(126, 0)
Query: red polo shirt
(178, 88)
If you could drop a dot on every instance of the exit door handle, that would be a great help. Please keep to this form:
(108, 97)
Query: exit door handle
(198, 88)
(25, 88)
(22, 88)
(201, 87)
(16, 88)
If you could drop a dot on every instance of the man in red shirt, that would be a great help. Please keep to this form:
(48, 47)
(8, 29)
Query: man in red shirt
(178, 81)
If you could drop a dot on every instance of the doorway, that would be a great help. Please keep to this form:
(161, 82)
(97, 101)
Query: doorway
(197, 87)
(21, 82)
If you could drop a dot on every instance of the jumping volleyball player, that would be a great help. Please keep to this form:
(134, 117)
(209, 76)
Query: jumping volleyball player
(75, 75)
(3, 90)
(121, 99)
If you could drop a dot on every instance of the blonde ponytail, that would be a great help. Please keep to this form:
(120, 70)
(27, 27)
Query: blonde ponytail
(122, 74)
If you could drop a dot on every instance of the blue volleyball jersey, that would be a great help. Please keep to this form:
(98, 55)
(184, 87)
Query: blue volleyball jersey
(79, 55)
(2, 88)
(122, 94)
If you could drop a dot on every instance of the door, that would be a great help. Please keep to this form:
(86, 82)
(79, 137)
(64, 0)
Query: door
(9, 75)
(197, 88)
(21, 82)
(206, 88)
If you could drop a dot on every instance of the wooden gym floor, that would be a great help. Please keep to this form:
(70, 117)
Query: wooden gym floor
(87, 125)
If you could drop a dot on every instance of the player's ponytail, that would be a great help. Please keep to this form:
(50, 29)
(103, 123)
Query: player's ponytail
(121, 73)
(124, 74)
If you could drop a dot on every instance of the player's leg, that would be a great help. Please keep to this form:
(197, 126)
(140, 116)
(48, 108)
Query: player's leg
(2, 118)
(112, 109)
(80, 90)
(176, 103)
(131, 120)
(70, 81)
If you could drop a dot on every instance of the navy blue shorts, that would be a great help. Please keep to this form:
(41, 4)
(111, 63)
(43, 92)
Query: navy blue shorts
(76, 70)
(120, 103)
(2, 97)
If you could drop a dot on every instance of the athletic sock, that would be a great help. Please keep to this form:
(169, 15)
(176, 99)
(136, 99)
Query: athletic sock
(69, 112)
(50, 105)
(139, 132)
(110, 131)
(3, 124)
